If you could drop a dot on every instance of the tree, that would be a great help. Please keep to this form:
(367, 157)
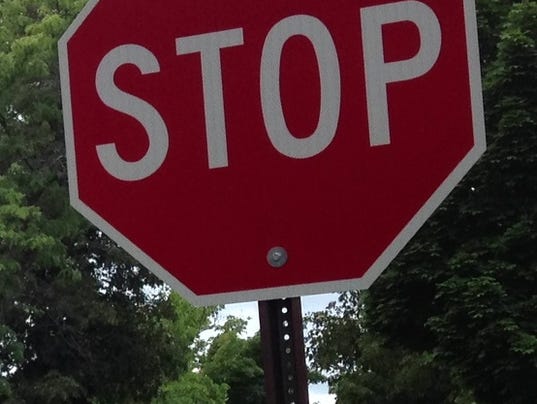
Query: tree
(236, 362)
(459, 303)
(80, 321)
(493, 304)
(192, 388)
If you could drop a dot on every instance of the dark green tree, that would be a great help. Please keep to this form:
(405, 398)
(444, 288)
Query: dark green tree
(453, 318)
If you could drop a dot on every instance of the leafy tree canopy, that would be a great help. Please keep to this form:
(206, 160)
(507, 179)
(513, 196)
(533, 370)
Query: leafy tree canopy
(236, 362)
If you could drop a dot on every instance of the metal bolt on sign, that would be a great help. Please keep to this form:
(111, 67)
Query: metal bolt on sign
(277, 257)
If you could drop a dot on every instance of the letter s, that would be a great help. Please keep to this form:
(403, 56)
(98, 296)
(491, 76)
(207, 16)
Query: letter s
(131, 105)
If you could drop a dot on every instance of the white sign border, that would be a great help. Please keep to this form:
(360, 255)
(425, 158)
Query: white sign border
(296, 290)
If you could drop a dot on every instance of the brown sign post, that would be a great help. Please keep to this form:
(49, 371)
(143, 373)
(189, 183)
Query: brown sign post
(282, 340)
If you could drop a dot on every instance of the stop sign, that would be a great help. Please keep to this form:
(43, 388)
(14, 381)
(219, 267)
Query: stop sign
(252, 150)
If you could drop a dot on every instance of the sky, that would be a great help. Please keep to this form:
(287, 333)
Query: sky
(248, 311)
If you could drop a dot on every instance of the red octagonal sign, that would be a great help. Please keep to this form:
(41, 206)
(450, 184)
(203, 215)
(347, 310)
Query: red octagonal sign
(247, 150)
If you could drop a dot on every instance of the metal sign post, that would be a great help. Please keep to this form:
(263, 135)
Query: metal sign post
(284, 362)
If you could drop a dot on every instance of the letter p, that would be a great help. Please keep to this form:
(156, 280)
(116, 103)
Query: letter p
(378, 73)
